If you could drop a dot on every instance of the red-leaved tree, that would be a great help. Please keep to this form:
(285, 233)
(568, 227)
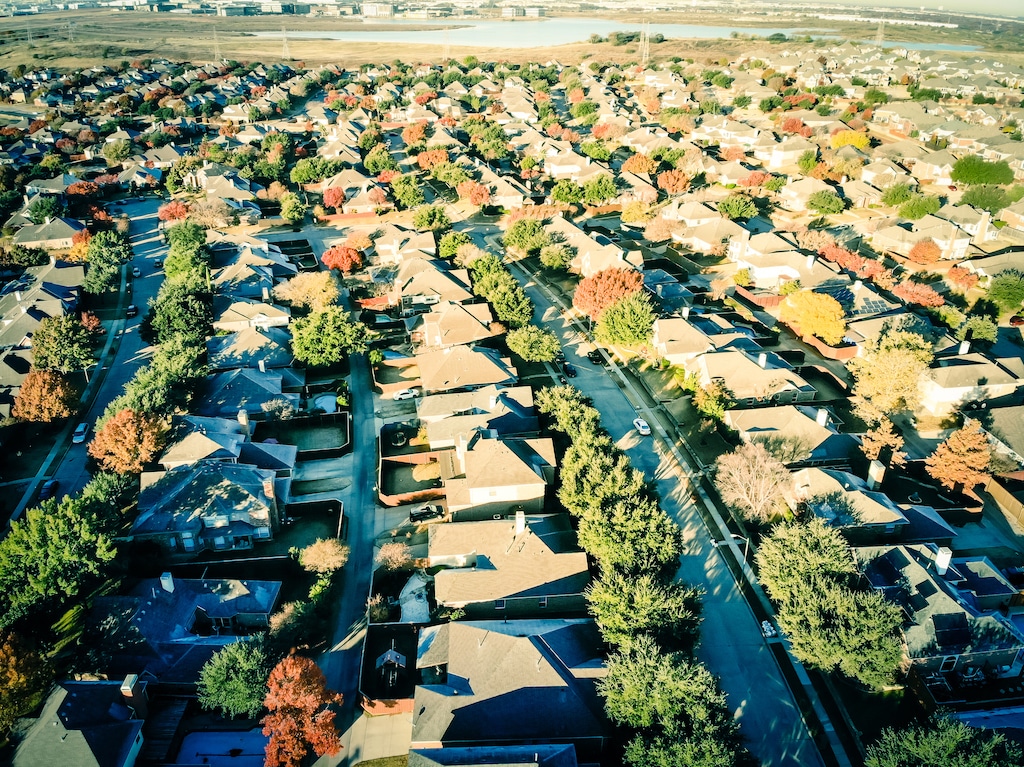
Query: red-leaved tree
(334, 197)
(757, 178)
(128, 441)
(82, 189)
(733, 154)
(342, 258)
(172, 211)
(474, 191)
(301, 718)
(414, 134)
(596, 293)
(926, 251)
(916, 293)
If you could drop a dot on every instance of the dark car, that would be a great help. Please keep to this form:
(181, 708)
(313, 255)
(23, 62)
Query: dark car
(49, 489)
(595, 357)
(131, 311)
(1016, 321)
(427, 511)
(569, 370)
(560, 358)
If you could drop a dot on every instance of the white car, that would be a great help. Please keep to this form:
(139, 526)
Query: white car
(81, 431)
(642, 427)
(406, 394)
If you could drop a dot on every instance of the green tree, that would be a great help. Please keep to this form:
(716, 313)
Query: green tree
(378, 160)
(182, 309)
(533, 344)
(941, 742)
(327, 337)
(567, 191)
(897, 194)
(978, 328)
(556, 256)
(1006, 290)
(599, 189)
(596, 150)
(117, 151)
(234, 680)
(47, 558)
(826, 203)
(973, 169)
(527, 236)
(44, 208)
(627, 609)
(448, 246)
(293, 209)
(432, 218)
(628, 322)
(62, 343)
(987, 197)
(737, 206)
(808, 161)
(510, 303)
(406, 191)
(106, 253)
(919, 206)
(795, 554)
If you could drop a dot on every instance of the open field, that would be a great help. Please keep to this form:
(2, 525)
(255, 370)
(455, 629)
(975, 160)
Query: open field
(109, 36)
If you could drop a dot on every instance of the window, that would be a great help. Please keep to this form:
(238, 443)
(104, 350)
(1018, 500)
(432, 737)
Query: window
(499, 604)
(262, 532)
(220, 542)
(948, 663)
(542, 602)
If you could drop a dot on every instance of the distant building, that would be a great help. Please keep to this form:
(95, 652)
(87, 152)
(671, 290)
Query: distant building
(378, 10)
(513, 12)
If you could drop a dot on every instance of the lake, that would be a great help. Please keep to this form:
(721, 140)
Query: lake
(543, 33)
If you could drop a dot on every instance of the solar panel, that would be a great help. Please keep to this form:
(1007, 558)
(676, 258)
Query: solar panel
(951, 629)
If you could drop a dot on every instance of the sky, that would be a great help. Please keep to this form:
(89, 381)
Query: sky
(996, 7)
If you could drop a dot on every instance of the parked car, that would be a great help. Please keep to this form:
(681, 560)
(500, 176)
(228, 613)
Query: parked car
(81, 431)
(427, 511)
(131, 311)
(595, 357)
(560, 358)
(642, 427)
(562, 381)
(159, 263)
(1016, 321)
(136, 272)
(406, 394)
(49, 489)
(569, 370)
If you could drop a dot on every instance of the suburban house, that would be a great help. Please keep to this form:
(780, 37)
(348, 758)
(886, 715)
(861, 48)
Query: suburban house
(1004, 427)
(957, 380)
(196, 438)
(253, 347)
(450, 324)
(806, 435)
(463, 368)
(505, 568)
(87, 724)
(678, 341)
(421, 283)
(228, 392)
(504, 412)
(528, 756)
(232, 314)
(752, 378)
(485, 477)
(954, 629)
(208, 505)
(500, 683)
(52, 234)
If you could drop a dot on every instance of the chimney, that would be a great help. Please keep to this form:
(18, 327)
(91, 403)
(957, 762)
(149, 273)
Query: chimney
(857, 285)
(134, 693)
(965, 347)
(17, 296)
(686, 312)
(243, 420)
(167, 582)
(822, 416)
(942, 559)
(762, 360)
(876, 471)
(266, 293)
(268, 487)
(520, 522)
(263, 366)
(810, 261)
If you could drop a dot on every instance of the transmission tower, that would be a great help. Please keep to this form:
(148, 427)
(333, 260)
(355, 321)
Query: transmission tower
(71, 31)
(645, 43)
(447, 53)
(216, 47)
(880, 34)
(285, 53)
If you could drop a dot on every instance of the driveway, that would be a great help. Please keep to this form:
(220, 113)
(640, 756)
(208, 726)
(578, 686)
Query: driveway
(731, 642)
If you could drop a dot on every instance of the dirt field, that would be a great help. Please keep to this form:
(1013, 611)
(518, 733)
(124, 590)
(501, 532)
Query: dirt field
(112, 36)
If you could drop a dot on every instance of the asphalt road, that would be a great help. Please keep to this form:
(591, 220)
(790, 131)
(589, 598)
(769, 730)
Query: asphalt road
(132, 353)
(731, 642)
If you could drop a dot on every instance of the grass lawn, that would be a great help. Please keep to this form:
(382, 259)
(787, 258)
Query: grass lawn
(26, 446)
(387, 761)
(871, 712)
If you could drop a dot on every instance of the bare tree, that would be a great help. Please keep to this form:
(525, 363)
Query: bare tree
(750, 479)
(394, 556)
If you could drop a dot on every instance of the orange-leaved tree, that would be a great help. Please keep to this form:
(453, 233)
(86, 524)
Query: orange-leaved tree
(334, 197)
(961, 462)
(596, 293)
(927, 251)
(301, 718)
(128, 441)
(45, 396)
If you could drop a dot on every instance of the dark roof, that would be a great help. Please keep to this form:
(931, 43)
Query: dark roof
(543, 755)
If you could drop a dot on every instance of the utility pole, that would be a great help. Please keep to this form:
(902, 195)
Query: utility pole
(880, 34)
(285, 53)
(645, 43)
(216, 47)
